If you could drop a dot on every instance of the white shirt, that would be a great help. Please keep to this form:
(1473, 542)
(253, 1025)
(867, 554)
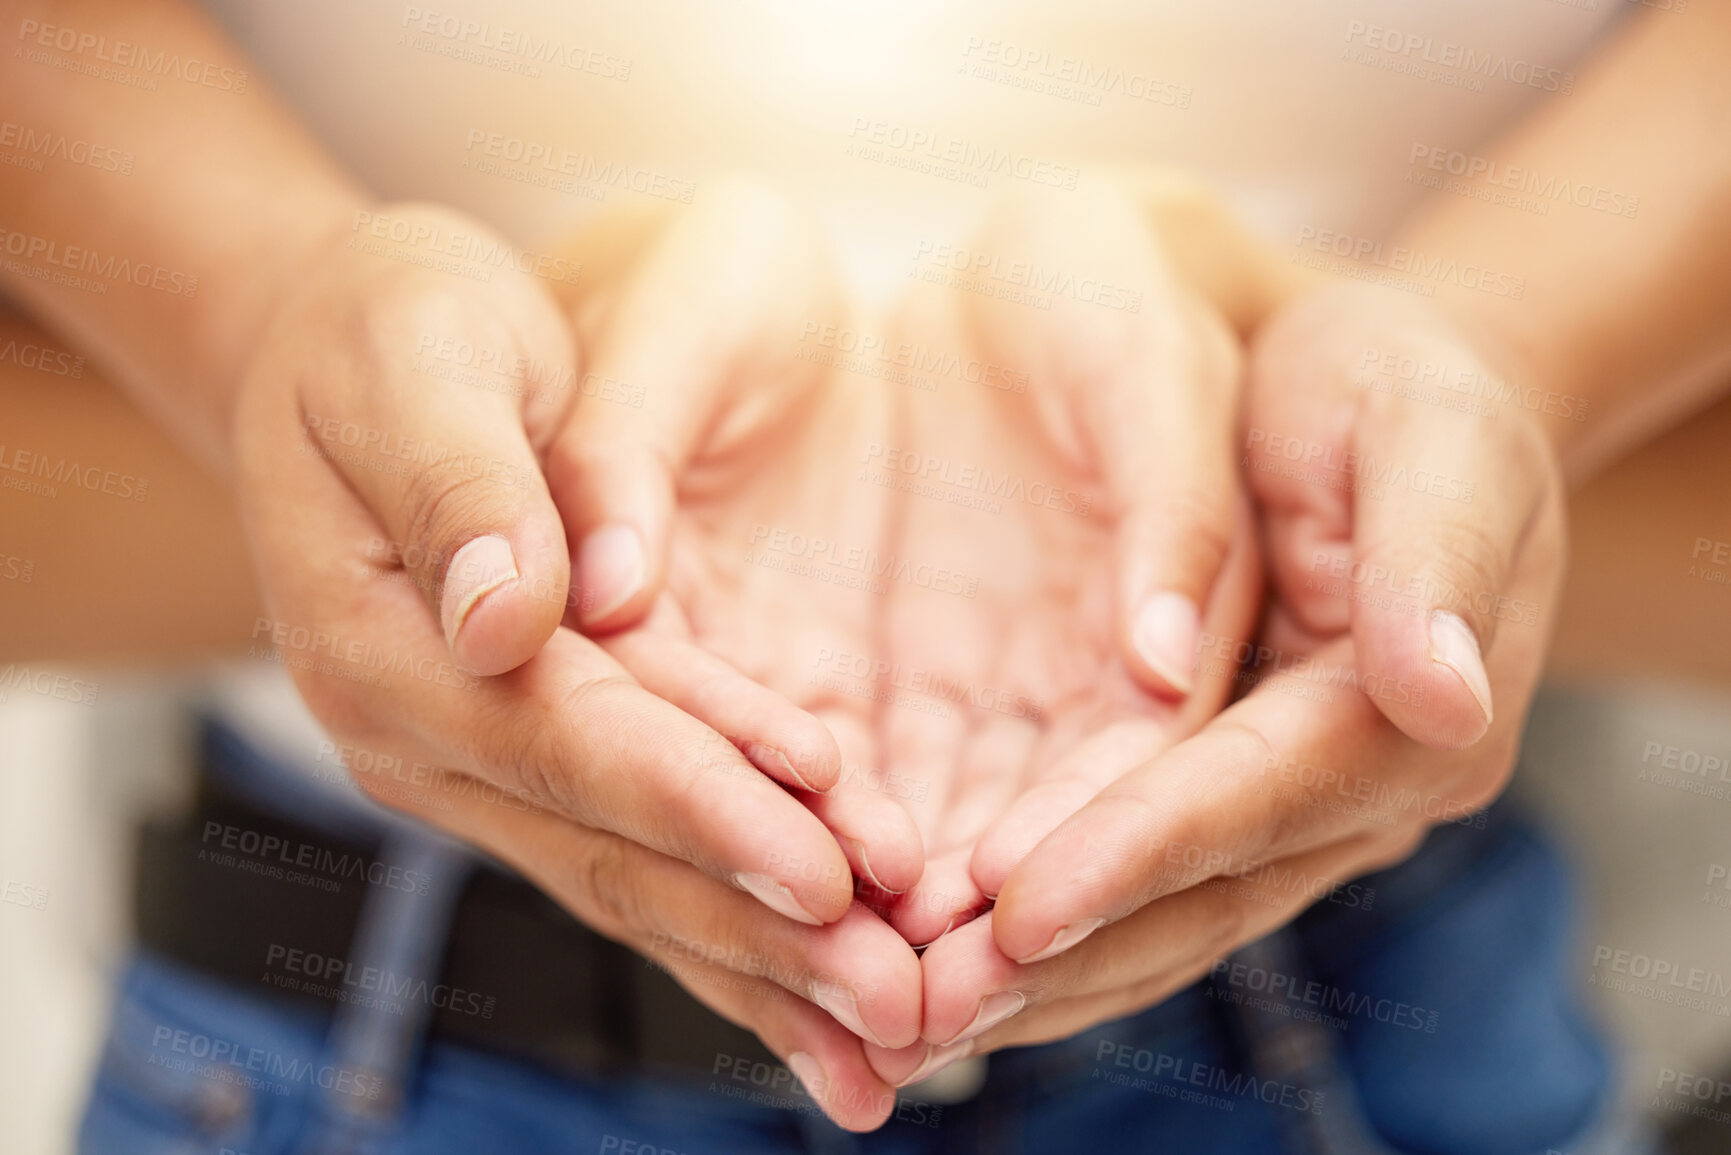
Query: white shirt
(889, 112)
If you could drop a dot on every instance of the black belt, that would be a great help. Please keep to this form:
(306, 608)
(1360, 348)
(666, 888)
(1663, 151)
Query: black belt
(232, 889)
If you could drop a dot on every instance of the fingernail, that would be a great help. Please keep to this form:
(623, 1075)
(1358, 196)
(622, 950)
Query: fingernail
(776, 896)
(1452, 643)
(809, 1072)
(937, 1058)
(865, 866)
(844, 1007)
(1067, 937)
(994, 1009)
(1167, 628)
(476, 570)
(774, 763)
(610, 568)
(948, 927)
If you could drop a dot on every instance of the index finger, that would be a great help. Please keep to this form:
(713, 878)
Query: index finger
(1278, 774)
(569, 725)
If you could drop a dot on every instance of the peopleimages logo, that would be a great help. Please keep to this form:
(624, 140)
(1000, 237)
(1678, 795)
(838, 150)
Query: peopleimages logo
(124, 54)
(880, 140)
(485, 251)
(111, 268)
(1173, 1071)
(770, 545)
(529, 48)
(973, 265)
(1419, 50)
(546, 159)
(53, 472)
(42, 358)
(45, 144)
(1470, 381)
(306, 856)
(223, 1060)
(860, 350)
(370, 985)
(927, 469)
(1401, 260)
(1065, 77)
(1545, 187)
(1293, 996)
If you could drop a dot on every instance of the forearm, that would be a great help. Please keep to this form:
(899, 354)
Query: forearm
(113, 543)
(1623, 310)
(163, 250)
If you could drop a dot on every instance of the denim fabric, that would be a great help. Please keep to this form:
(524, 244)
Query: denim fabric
(1431, 1013)
(1427, 1009)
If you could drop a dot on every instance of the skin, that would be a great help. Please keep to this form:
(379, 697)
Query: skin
(1638, 360)
(1103, 409)
(1126, 856)
(199, 370)
(301, 329)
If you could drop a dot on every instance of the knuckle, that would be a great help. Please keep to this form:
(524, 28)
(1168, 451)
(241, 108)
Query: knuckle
(537, 775)
(384, 321)
(548, 761)
(439, 502)
(1261, 828)
(607, 887)
(531, 751)
(1205, 516)
(586, 452)
(1460, 565)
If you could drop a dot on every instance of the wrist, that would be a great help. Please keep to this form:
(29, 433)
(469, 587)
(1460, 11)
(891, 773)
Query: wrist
(369, 245)
(265, 276)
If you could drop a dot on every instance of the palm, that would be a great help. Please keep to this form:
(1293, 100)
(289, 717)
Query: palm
(766, 541)
(1024, 687)
(748, 577)
(935, 572)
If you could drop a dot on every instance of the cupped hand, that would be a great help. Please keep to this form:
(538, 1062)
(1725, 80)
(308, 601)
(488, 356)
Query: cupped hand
(391, 433)
(1416, 551)
(721, 546)
(775, 509)
(1074, 466)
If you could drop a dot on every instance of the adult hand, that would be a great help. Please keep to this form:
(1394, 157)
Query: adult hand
(1416, 552)
(1072, 462)
(415, 571)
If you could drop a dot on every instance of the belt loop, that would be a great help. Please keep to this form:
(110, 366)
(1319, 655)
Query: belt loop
(374, 1041)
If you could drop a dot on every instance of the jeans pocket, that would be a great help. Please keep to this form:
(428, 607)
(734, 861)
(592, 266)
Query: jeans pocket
(180, 1073)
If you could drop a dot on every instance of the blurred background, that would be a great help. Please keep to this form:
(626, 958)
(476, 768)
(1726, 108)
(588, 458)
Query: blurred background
(1651, 852)
(1643, 657)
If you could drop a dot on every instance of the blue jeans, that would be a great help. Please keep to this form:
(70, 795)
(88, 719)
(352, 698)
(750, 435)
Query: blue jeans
(1429, 1010)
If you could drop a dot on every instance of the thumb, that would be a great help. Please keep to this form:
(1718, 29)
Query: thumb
(704, 309)
(446, 464)
(1168, 456)
(1437, 530)
(1397, 517)
(1150, 376)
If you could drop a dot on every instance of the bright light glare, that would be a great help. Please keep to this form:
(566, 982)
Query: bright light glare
(844, 48)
